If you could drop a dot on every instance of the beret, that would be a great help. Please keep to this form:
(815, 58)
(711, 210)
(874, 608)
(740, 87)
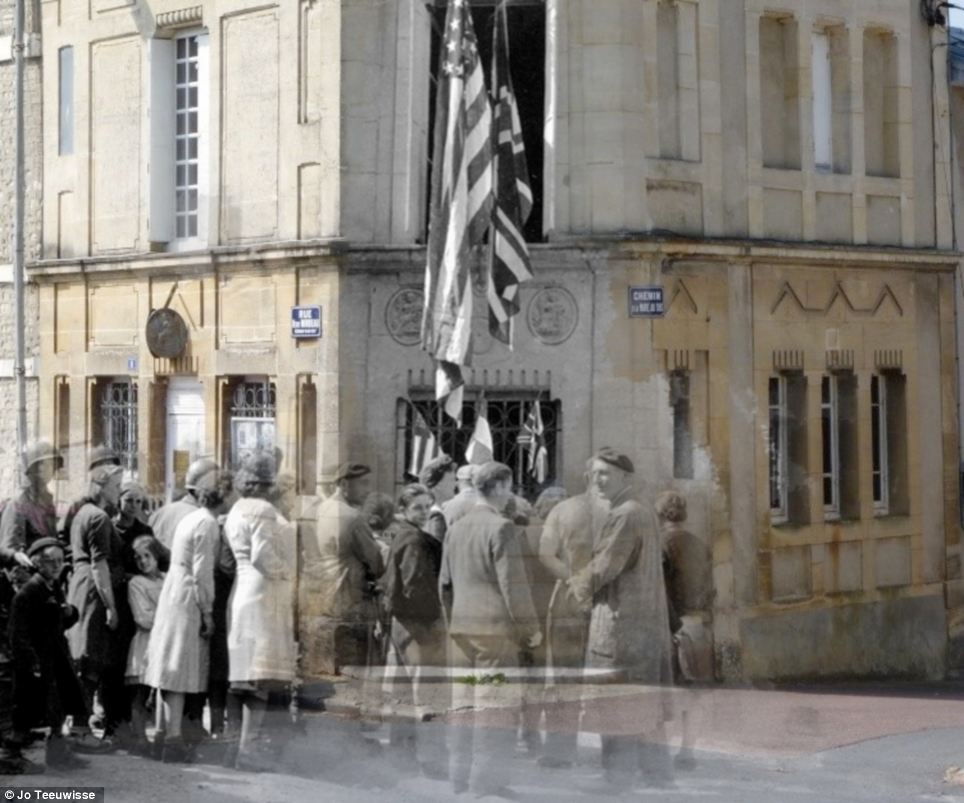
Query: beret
(617, 459)
(41, 544)
(351, 471)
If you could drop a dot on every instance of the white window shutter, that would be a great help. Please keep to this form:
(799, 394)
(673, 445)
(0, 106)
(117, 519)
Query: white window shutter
(161, 219)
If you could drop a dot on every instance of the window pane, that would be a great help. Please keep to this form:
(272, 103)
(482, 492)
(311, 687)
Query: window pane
(66, 100)
(181, 73)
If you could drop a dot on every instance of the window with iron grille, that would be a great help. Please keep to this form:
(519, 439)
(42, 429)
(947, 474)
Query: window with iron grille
(506, 414)
(118, 409)
(252, 413)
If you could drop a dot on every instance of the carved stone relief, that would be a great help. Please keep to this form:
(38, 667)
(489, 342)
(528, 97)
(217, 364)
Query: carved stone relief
(552, 315)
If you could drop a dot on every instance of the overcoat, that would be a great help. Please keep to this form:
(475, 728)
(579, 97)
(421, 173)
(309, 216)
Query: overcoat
(94, 539)
(178, 655)
(623, 582)
(261, 640)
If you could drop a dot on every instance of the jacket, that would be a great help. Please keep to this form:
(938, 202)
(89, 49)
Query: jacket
(483, 582)
(411, 575)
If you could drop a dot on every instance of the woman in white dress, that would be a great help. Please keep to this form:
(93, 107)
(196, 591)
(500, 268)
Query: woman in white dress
(261, 644)
(178, 651)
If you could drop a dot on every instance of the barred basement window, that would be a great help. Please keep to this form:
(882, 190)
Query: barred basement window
(506, 414)
(118, 408)
(252, 417)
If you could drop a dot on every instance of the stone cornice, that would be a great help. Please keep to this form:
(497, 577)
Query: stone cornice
(180, 18)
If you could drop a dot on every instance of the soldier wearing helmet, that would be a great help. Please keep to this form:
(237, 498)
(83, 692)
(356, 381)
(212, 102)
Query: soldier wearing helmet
(30, 515)
(165, 519)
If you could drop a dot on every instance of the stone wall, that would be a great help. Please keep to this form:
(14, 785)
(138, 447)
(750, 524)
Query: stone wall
(34, 188)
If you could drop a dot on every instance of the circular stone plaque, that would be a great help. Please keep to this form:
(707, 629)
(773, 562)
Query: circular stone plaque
(403, 316)
(552, 315)
(166, 333)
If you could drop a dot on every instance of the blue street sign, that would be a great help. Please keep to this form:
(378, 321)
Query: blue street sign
(132, 365)
(306, 321)
(646, 302)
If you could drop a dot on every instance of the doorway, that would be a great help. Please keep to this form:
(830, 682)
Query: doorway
(185, 431)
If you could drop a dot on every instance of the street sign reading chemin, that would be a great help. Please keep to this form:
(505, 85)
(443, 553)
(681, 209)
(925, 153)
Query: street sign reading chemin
(646, 302)
(306, 322)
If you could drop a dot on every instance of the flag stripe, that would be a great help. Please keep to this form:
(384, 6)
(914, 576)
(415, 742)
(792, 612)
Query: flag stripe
(510, 263)
(461, 203)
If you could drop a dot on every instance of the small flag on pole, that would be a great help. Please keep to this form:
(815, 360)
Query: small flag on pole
(424, 446)
(510, 265)
(461, 204)
(480, 448)
(533, 438)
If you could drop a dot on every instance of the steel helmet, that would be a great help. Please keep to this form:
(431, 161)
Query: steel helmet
(38, 451)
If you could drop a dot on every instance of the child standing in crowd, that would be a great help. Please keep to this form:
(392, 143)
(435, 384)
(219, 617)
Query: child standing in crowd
(143, 591)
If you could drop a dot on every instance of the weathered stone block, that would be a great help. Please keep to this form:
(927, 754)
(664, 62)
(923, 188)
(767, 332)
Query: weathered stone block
(892, 562)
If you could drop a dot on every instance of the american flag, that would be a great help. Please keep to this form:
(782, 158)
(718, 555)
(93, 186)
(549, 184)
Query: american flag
(480, 446)
(510, 264)
(461, 204)
(533, 438)
(424, 446)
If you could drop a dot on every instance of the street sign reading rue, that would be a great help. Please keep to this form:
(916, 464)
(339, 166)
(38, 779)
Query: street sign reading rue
(306, 322)
(646, 302)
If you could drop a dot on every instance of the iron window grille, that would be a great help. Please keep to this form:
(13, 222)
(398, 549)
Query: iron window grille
(119, 414)
(506, 414)
(253, 408)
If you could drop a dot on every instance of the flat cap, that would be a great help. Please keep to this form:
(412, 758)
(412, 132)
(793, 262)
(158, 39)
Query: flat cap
(41, 544)
(351, 471)
(617, 459)
(103, 456)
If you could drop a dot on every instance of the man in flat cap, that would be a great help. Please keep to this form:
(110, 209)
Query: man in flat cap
(623, 587)
(46, 690)
(343, 570)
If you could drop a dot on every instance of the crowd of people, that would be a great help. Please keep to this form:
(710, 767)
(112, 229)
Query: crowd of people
(157, 633)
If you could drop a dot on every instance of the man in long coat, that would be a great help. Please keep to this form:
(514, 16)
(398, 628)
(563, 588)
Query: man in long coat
(629, 624)
(565, 548)
(343, 570)
(489, 610)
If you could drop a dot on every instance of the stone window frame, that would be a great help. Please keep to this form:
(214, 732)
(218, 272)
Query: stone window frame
(788, 114)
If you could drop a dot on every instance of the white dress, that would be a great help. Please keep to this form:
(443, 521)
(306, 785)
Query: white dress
(261, 641)
(143, 594)
(177, 655)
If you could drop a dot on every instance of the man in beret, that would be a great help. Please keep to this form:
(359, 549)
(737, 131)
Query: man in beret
(343, 568)
(623, 588)
(46, 690)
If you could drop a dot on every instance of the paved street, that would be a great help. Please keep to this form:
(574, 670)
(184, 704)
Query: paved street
(852, 744)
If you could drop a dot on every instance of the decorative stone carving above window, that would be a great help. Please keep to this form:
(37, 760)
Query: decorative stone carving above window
(181, 18)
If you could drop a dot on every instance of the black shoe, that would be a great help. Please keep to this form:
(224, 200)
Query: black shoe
(89, 744)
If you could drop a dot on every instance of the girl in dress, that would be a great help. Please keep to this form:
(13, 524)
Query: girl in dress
(143, 591)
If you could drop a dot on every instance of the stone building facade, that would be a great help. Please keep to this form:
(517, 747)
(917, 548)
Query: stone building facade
(780, 172)
(33, 140)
